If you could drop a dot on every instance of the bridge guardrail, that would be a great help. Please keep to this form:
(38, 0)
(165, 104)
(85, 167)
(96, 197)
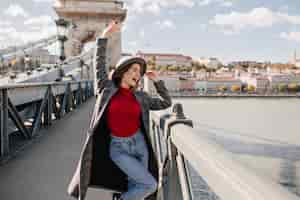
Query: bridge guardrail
(176, 143)
(29, 106)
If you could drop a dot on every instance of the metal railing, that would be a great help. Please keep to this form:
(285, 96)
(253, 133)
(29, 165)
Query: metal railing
(178, 145)
(29, 106)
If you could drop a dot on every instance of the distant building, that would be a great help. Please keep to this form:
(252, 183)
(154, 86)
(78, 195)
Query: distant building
(186, 84)
(257, 70)
(223, 70)
(213, 63)
(246, 63)
(273, 70)
(213, 85)
(42, 56)
(295, 60)
(260, 70)
(261, 83)
(277, 79)
(167, 59)
(199, 75)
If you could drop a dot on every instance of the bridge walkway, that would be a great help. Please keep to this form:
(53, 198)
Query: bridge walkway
(43, 170)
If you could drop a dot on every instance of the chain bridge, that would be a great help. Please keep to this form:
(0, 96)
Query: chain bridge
(44, 116)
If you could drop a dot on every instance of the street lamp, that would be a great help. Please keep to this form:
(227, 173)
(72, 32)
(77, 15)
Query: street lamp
(27, 62)
(62, 31)
(1, 64)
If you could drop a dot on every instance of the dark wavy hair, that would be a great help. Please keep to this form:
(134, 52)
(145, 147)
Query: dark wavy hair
(118, 75)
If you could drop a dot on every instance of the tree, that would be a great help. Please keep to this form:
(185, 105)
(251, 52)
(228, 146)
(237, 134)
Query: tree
(235, 88)
(173, 68)
(222, 88)
(251, 88)
(151, 63)
(293, 87)
(151, 67)
(282, 87)
(163, 68)
(211, 70)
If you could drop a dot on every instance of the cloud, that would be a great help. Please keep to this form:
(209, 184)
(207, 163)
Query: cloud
(133, 43)
(203, 27)
(2, 38)
(39, 21)
(27, 36)
(44, 1)
(166, 24)
(234, 22)
(9, 31)
(142, 33)
(155, 6)
(204, 2)
(284, 8)
(5, 23)
(291, 36)
(295, 20)
(15, 10)
(227, 4)
(224, 3)
(14, 37)
(42, 24)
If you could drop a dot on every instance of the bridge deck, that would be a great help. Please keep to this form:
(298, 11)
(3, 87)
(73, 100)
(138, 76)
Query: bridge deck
(43, 170)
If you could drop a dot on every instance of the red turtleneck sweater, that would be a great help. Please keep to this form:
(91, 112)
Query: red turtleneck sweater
(124, 113)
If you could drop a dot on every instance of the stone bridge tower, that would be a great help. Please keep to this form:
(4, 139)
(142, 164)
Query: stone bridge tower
(89, 18)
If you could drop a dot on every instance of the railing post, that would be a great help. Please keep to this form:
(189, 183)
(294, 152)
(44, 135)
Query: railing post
(65, 101)
(86, 91)
(92, 88)
(41, 111)
(79, 94)
(70, 98)
(48, 109)
(4, 138)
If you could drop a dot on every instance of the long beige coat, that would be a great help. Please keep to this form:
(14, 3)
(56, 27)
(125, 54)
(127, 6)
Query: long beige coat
(95, 168)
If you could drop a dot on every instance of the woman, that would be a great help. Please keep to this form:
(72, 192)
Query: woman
(117, 154)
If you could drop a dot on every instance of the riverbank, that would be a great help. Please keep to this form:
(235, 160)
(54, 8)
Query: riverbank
(236, 96)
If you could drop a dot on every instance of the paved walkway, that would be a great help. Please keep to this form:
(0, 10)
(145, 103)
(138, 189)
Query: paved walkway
(43, 170)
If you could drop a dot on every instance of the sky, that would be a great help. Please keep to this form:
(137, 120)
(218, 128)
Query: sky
(231, 30)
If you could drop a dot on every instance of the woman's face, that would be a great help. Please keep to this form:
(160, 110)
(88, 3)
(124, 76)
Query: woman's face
(132, 77)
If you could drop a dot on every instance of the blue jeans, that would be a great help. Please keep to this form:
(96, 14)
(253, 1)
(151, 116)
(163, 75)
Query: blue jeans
(130, 154)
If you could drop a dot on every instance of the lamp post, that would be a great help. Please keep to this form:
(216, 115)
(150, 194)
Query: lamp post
(1, 64)
(27, 62)
(62, 29)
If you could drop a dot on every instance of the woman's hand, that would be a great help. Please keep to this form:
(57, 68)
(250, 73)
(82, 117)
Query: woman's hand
(152, 75)
(113, 27)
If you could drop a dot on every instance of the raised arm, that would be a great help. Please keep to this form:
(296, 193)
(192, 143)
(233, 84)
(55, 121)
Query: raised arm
(100, 63)
(100, 55)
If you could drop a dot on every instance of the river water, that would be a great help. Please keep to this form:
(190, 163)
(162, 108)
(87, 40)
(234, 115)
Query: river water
(262, 134)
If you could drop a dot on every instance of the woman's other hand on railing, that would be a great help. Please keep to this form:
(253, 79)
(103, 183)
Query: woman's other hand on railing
(113, 27)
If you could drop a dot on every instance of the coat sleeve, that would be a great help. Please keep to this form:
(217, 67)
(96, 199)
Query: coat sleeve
(100, 65)
(165, 101)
